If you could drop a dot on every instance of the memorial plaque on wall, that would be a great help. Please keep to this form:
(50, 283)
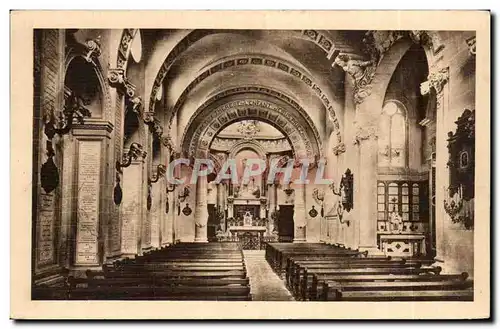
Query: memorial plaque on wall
(45, 242)
(89, 161)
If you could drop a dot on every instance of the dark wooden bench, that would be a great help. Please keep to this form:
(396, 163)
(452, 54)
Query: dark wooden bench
(316, 290)
(213, 271)
(398, 290)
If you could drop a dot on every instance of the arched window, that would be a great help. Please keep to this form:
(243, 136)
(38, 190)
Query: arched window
(392, 136)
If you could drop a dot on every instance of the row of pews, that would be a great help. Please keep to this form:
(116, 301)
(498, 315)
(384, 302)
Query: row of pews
(184, 271)
(323, 272)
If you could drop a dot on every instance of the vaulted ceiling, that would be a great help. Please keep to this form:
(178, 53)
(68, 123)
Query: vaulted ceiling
(297, 64)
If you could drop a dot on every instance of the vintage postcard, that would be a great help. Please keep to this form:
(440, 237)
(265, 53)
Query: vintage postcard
(250, 165)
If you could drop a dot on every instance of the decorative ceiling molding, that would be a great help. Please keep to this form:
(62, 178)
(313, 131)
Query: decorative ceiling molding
(262, 61)
(206, 123)
(323, 41)
(266, 91)
(271, 146)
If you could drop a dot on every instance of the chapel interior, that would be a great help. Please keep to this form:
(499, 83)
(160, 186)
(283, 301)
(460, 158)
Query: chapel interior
(387, 116)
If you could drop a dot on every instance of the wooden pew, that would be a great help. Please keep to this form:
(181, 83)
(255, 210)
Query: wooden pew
(398, 291)
(298, 273)
(213, 271)
(305, 287)
(135, 292)
(316, 290)
(296, 267)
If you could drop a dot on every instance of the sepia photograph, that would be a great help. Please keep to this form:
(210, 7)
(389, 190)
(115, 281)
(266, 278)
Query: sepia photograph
(231, 164)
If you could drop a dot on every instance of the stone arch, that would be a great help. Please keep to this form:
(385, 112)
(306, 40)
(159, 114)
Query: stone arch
(244, 144)
(269, 93)
(124, 48)
(207, 122)
(319, 39)
(80, 53)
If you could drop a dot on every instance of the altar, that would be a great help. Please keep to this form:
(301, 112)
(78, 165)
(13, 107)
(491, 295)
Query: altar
(248, 230)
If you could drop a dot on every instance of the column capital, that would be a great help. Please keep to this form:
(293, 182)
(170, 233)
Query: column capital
(436, 79)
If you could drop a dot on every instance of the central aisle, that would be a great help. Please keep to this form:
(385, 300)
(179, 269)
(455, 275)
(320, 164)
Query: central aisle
(264, 283)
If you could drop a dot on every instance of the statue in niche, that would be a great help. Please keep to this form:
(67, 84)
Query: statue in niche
(396, 222)
(247, 219)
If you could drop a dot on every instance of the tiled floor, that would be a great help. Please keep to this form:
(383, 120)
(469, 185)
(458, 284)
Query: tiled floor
(265, 285)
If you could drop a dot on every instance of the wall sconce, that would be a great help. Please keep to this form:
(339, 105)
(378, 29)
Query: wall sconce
(160, 172)
(345, 192)
(184, 194)
(133, 153)
(288, 191)
(319, 198)
(74, 107)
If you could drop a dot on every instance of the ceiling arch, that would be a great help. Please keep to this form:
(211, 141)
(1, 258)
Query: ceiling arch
(323, 42)
(253, 91)
(210, 120)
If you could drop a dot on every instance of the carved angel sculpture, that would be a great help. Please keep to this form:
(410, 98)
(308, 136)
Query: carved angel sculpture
(355, 68)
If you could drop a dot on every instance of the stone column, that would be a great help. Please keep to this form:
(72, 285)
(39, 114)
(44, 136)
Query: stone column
(201, 211)
(132, 207)
(272, 208)
(437, 79)
(299, 214)
(332, 221)
(366, 181)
